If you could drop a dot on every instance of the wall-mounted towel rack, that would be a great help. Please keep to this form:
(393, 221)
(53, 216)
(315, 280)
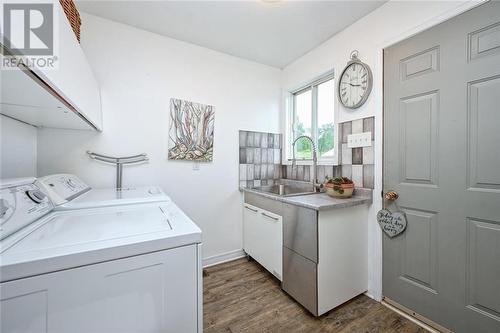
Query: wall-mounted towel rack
(119, 162)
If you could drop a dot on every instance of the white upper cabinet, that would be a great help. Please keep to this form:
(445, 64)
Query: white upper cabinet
(65, 97)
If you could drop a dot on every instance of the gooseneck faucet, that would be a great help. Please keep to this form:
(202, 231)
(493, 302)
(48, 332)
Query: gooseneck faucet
(314, 181)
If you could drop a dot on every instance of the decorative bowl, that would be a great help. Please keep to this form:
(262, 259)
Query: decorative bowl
(340, 190)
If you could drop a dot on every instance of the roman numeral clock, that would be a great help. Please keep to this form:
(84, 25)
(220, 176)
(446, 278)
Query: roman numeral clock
(355, 83)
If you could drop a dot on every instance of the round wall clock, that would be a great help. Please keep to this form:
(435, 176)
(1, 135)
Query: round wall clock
(355, 83)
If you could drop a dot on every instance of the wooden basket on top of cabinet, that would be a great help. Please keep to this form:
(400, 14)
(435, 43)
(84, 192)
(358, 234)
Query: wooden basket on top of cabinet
(73, 16)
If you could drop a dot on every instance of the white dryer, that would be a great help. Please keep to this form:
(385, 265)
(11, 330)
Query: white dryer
(108, 263)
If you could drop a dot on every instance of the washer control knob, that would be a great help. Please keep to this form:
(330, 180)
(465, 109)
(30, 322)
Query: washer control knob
(36, 195)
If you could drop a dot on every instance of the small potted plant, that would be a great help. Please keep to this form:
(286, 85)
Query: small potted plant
(339, 187)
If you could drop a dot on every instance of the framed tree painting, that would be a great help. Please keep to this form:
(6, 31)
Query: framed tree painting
(191, 132)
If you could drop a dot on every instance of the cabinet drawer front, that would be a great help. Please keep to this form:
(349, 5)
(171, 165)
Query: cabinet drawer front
(270, 205)
(300, 279)
(300, 231)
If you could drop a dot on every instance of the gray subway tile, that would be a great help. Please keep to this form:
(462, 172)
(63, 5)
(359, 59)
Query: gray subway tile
(357, 175)
(243, 155)
(368, 176)
(321, 173)
(277, 156)
(250, 170)
(263, 182)
(243, 172)
(243, 138)
(346, 154)
(329, 171)
(249, 155)
(270, 140)
(346, 130)
(257, 159)
(256, 139)
(294, 172)
(249, 183)
(270, 171)
(270, 156)
(369, 126)
(256, 171)
(300, 172)
(357, 155)
(250, 139)
(256, 182)
(337, 171)
(263, 140)
(277, 140)
(368, 157)
(346, 170)
(263, 153)
(307, 173)
(277, 171)
(357, 126)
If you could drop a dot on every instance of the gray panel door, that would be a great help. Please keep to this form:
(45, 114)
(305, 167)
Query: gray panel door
(442, 155)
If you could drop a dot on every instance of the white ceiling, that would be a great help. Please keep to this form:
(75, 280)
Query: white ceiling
(270, 32)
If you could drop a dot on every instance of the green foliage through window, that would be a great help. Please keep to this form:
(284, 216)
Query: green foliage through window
(316, 123)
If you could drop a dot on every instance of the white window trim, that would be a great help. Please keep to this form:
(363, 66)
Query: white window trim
(290, 121)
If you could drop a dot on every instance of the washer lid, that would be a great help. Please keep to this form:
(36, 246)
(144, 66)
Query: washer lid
(111, 197)
(70, 239)
(14, 182)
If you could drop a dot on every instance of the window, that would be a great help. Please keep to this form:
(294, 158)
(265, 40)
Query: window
(312, 114)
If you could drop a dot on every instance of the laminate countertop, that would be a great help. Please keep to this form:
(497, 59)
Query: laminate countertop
(319, 201)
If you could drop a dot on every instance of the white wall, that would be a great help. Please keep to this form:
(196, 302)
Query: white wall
(390, 23)
(18, 149)
(139, 72)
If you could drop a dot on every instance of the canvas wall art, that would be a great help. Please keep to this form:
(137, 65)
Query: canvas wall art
(191, 133)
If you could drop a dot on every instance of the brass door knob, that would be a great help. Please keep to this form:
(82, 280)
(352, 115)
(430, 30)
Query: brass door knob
(391, 195)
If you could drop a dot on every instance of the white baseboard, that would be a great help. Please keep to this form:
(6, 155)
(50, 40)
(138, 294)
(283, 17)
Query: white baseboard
(223, 257)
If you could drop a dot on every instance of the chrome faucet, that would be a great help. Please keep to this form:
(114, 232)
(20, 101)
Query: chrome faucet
(314, 181)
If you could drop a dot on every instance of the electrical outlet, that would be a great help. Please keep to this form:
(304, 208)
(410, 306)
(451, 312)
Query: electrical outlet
(196, 166)
(359, 140)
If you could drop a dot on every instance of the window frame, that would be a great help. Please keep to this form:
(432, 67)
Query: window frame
(291, 119)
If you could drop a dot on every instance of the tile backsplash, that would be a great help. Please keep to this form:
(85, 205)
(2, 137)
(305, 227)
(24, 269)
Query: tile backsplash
(355, 163)
(259, 158)
(304, 172)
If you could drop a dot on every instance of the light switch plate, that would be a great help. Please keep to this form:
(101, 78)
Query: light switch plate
(359, 140)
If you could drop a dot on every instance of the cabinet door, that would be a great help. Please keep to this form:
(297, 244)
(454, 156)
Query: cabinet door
(251, 230)
(272, 242)
(263, 238)
(156, 292)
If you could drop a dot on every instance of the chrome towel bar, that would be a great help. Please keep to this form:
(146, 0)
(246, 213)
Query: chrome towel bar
(119, 162)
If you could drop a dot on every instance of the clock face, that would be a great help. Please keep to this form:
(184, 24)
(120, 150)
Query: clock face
(354, 85)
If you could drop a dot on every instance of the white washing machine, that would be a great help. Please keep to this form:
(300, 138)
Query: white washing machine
(98, 261)
(69, 192)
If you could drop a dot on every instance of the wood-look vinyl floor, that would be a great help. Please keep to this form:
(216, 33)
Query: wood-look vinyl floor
(241, 296)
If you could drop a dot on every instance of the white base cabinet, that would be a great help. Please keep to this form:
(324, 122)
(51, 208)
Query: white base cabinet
(263, 238)
(321, 254)
(155, 292)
